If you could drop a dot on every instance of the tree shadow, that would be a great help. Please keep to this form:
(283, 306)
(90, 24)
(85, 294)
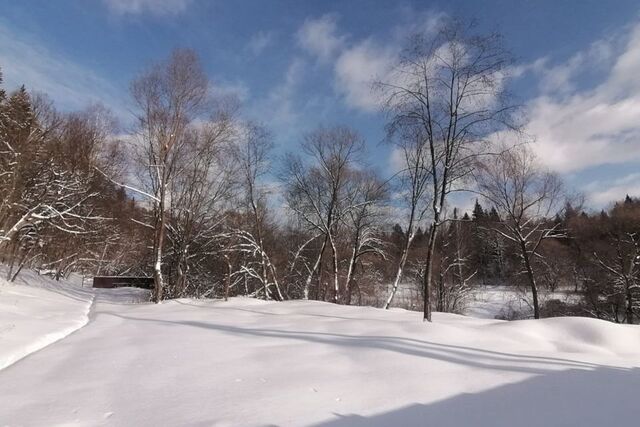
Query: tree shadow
(571, 398)
(270, 313)
(121, 296)
(463, 355)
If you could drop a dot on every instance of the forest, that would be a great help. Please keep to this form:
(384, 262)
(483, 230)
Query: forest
(194, 194)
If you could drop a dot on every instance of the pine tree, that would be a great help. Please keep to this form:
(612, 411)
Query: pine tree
(478, 212)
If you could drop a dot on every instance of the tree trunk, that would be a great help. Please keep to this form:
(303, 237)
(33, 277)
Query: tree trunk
(336, 284)
(307, 283)
(441, 293)
(398, 277)
(227, 282)
(532, 279)
(629, 307)
(159, 241)
(21, 264)
(12, 258)
(350, 274)
(428, 271)
(403, 257)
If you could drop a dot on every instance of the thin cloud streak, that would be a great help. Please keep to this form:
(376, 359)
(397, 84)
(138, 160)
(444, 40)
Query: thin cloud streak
(26, 61)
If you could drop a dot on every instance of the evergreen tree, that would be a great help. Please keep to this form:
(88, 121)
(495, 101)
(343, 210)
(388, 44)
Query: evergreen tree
(478, 212)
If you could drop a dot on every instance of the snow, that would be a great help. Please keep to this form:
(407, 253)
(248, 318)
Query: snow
(492, 301)
(246, 362)
(37, 311)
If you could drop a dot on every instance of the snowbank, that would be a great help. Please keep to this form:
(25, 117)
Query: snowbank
(36, 311)
(251, 363)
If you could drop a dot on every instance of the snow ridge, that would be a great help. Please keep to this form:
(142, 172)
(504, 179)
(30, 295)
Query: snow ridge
(37, 313)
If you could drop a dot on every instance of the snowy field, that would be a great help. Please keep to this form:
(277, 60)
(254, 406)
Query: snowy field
(244, 362)
(490, 302)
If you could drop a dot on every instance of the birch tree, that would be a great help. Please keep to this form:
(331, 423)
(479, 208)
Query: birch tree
(524, 194)
(363, 219)
(449, 84)
(200, 195)
(454, 271)
(413, 183)
(251, 154)
(315, 190)
(169, 96)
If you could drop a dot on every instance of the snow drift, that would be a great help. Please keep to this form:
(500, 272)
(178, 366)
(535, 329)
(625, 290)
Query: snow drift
(252, 363)
(37, 311)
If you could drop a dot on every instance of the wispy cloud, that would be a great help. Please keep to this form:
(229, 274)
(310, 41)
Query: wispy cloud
(577, 127)
(282, 97)
(320, 36)
(259, 42)
(154, 7)
(26, 60)
(602, 193)
(357, 63)
(236, 89)
(357, 68)
(280, 108)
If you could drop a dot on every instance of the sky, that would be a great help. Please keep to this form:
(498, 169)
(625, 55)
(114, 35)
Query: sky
(296, 65)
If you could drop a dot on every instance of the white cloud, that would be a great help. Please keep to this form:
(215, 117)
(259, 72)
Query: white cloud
(259, 42)
(576, 129)
(358, 64)
(357, 68)
(236, 89)
(24, 60)
(600, 194)
(155, 7)
(278, 108)
(320, 36)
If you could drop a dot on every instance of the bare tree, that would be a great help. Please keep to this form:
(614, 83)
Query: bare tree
(454, 273)
(413, 182)
(450, 85)
(363, 219)
(200, 193)
(251, 153)
(609, 244)
(623, 272)
(49, 188)
(524, 194)
(315, 190)
(169, 96)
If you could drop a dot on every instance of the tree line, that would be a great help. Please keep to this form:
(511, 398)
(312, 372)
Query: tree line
(193, 196)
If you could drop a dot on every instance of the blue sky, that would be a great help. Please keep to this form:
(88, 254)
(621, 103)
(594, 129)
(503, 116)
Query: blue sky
(298, 64)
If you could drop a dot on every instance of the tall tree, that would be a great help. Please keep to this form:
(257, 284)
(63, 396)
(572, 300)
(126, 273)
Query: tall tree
(315, 189)
(169, 95)
(449, 86)
(363, 222)
(251, 153)
(525, 194)
(413, 181)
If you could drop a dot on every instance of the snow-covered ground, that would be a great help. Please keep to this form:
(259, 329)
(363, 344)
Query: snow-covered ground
(499, 301)
(36, 311)
(251, 363)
